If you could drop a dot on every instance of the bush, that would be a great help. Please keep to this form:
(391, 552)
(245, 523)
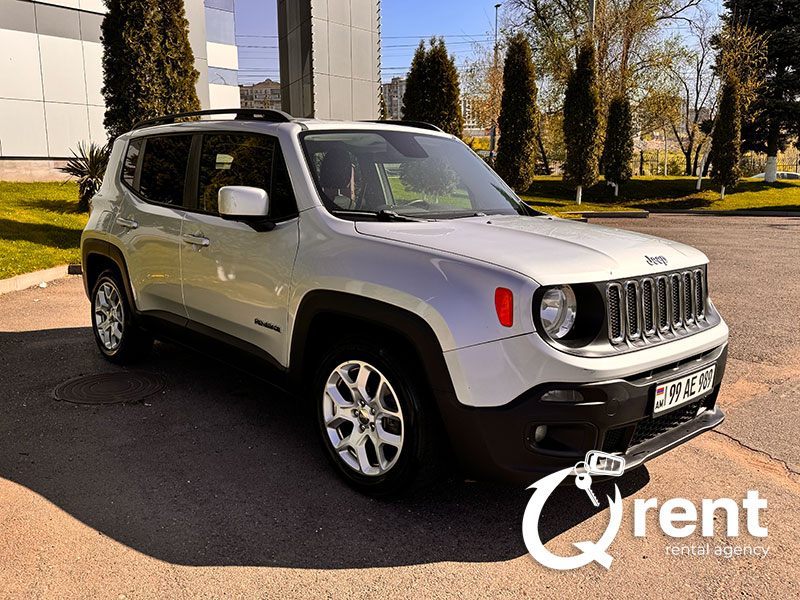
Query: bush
(87, 166)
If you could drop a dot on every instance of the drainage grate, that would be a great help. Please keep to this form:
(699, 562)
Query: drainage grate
(109, 388)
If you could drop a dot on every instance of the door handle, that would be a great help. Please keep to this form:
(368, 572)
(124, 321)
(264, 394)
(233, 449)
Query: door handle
(129, 223)
(195, 240)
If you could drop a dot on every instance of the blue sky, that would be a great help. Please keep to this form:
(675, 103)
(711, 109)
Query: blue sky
(403, 24)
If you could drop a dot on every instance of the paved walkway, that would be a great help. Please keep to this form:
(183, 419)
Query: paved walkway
(216, 488)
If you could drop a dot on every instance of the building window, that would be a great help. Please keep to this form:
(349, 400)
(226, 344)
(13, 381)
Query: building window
(220, 26)
(220, 76)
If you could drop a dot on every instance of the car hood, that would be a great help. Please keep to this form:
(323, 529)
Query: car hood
(549, 250)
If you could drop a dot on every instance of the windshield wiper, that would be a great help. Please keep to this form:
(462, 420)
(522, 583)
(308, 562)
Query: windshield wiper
(390, 215)
(381, 215)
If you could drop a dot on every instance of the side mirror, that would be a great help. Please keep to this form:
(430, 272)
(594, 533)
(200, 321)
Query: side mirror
(242, 202)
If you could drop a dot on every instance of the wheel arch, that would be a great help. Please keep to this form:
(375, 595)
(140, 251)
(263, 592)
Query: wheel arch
(324, 314)
(98, 256)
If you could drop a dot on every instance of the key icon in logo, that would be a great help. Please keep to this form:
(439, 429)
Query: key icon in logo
(605, 464)
(584, 482)
(597, 463)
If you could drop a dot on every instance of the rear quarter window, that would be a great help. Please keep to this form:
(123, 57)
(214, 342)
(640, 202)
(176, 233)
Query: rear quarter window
(131, 162)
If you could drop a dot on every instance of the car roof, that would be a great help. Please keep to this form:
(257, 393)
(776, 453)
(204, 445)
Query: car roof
(265, 120)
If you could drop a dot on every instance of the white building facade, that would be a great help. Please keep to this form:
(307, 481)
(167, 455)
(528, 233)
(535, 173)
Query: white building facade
(330, 58)
(51, 77)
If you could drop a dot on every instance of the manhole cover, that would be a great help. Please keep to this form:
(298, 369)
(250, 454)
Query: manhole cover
(109, 388)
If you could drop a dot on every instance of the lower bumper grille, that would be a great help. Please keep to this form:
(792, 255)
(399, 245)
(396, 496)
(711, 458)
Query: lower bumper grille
(650, 428)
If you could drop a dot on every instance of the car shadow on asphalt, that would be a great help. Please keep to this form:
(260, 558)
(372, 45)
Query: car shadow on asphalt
(222, 469)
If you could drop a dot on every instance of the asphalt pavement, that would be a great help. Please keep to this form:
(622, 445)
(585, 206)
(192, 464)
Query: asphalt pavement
(215, 488)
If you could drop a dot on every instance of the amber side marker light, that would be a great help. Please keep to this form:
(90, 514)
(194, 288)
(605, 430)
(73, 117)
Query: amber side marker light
(504, 304)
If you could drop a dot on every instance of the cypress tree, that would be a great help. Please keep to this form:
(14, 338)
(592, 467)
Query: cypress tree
(618, 152)
(148, 65)
(176, 60)
(582, 121)
(415, 100)
(516, 150)
(726, 143)
(432, 91)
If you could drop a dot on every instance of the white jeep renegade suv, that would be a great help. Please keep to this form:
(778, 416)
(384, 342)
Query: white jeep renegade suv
(388, 275)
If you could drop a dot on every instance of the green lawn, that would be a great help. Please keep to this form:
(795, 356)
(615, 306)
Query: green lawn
(39, 226)
(551, 194)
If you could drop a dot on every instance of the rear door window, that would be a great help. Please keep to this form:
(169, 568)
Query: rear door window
(163, 168)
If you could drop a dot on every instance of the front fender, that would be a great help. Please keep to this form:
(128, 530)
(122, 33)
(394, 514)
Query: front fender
(454, 295)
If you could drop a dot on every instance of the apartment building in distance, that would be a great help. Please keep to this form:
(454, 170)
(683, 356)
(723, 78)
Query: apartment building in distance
(393, 96)
(472, 127)
(265, 94)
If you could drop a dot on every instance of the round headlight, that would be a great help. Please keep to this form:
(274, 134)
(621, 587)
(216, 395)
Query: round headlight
(557, 311)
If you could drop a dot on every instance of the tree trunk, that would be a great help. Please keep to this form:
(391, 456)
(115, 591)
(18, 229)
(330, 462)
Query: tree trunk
(707, 166)
(616, 190)
(641, 163)
(545, 162)
(771, 171)
(703, 168)
(722, 193)
(696, 164)
(578, 194)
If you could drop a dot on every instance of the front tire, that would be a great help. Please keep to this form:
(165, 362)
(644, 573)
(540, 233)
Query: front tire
(116, 334)
(374, 417)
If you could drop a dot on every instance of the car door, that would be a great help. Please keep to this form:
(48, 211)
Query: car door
(236, 276)
(150, 218)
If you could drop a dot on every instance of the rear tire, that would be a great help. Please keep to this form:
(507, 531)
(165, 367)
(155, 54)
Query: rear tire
(116, 334)
(376, 421)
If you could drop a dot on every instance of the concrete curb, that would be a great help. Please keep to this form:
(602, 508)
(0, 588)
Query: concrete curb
(728, 213)
(26, 280)
(610, 214)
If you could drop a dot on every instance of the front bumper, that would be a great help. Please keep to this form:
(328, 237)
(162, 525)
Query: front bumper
(613, 416)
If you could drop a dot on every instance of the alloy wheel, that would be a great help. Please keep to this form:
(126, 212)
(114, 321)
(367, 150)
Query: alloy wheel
(363, 418)
(109, 315)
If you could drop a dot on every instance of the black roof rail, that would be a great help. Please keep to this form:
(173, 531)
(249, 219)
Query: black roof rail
(417, 124)
(252, 114)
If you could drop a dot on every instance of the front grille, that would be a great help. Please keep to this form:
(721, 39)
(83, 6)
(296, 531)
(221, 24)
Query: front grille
(649, 310)
(650, 428)
(663, 316)
(675, 288)
(632, 310)
(688, 297)
(615, 325)
(648, 315)
(699, 294)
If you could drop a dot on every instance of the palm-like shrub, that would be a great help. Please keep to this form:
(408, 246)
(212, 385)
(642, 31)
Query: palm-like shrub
(87, 166)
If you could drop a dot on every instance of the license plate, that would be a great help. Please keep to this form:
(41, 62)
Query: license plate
(680, 391)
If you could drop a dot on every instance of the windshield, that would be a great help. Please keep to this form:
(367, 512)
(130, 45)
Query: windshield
(404, 174)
